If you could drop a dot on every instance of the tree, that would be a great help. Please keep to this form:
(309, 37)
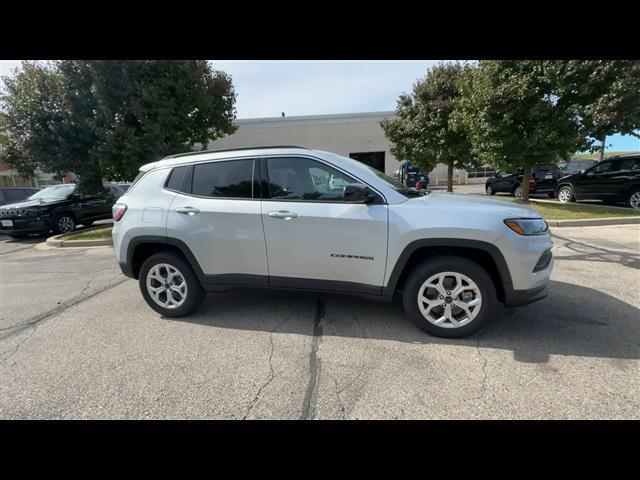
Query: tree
(512, 118)
(422, 131)
(603, 94)
(103, 119)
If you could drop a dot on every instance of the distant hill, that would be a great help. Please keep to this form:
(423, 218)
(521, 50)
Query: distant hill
(596, 155)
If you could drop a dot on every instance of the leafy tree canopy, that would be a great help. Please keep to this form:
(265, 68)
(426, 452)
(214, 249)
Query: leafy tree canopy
(103, 118)
(422, 131)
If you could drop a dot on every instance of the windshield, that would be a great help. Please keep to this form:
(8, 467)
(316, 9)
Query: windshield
(396, 185)
(56, 192)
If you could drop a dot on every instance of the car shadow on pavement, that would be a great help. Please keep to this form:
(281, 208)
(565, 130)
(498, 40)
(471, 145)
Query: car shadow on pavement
(573, 320)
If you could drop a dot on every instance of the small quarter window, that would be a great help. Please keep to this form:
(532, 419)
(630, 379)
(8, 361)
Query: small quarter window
(176, 178)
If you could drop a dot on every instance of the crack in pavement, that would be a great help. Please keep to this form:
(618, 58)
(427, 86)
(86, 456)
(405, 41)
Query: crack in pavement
(272, 375)
(59, 309)
(311, 394)
(483, 385)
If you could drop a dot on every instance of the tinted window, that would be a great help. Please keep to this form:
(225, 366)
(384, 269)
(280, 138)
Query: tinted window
(603, 167)
(629, 164)
(176, 177)
(15, 195)
(305, 179)
(233, 179)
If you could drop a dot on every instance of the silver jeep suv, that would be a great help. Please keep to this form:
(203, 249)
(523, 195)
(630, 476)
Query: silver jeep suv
(293, 218)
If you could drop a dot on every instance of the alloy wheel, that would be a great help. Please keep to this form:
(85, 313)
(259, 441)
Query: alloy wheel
(634, 200)
(166, 286)
(65, 224)
(564, 194)
(449, 300)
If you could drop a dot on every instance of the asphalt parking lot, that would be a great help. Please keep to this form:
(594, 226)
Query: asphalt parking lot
(78, 341)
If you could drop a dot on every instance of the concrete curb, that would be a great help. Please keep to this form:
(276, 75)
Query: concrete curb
(56, 241)
(594, 222)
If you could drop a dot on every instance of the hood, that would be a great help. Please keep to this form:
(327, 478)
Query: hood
(30, 203)
(472, 203)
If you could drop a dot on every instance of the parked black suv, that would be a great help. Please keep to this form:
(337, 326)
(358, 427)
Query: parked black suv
(543, 181)
(59, 208)
(613, 180)
(15, 194)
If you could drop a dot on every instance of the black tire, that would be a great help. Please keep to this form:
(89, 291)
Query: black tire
(515, 188)
(450, 263)
(490, 191)
(631, 200)
(195, 292)
(61, 223)
(568, 188)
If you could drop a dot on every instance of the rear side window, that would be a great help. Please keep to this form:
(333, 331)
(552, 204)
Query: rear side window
(16, 195)
(629, 164)
(224, 179)
(176, 178)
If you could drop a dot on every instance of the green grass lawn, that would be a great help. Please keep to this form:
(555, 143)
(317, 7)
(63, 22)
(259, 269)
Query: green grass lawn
(574, 211)
(97, 234)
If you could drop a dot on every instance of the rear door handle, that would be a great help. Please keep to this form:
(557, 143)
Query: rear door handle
(187, 210)
(284, 214)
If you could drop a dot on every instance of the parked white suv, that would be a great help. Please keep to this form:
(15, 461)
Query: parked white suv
(293, 218)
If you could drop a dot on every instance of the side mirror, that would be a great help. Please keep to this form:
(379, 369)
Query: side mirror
(358, 193)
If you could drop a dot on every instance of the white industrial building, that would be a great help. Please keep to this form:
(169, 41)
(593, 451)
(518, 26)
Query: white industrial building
(355, 135)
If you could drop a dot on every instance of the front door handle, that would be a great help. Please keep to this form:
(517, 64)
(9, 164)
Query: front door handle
(187, 210)
(284, 214)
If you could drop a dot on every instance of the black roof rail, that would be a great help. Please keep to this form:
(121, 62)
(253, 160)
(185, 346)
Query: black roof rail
(197, 152)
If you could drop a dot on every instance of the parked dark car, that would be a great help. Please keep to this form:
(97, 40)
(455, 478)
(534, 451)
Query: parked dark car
(15, 194)
(614, 180)
(410, 174)
(542, 181)
(574, 166)
(58, 208)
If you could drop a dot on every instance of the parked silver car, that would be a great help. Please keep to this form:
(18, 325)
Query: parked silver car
(293, 218)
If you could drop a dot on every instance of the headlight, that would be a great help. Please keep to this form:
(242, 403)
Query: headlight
(527, 226)
(36, 211)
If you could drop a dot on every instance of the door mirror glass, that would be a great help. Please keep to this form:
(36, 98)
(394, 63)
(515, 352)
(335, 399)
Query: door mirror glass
(358, 193)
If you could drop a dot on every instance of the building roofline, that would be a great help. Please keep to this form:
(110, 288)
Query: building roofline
(315, 117)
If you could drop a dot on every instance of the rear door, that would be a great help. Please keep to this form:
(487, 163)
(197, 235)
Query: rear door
(314, 238)
(216, 212)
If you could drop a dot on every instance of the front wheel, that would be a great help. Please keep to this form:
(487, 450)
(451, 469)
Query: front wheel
(169, 285)
(518, 191)
(64, 223)
(490, 190)
(565, 194)
(450, 296)
(633, 200)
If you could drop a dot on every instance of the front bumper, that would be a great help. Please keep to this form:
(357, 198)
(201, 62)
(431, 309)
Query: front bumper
(25, 225)
(520, 298)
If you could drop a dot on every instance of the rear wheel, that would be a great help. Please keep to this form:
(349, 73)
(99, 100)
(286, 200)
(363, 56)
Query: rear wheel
(633, 199)
(450, 296)
(169, 285)
(565, 194)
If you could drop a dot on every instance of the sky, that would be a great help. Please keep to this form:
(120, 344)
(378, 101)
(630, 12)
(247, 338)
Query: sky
(266, 88)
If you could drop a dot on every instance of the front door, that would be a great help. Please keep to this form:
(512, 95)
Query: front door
(216, 212)
(595, 182)
(314, 238)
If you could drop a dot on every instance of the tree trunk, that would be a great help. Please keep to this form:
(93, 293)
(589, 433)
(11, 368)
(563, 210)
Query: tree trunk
(602, 146)
(526, 173)
(450, 176)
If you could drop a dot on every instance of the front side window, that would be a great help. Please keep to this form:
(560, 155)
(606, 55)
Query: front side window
(294, 178)
(224, 179)
(603, 167)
